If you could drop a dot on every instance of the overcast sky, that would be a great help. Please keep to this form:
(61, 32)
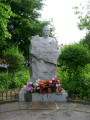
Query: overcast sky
(64, 19)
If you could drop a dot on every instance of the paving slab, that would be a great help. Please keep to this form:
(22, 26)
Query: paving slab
(9, 107)
(45, 115)
(35, 105)
(43, 105)
(51, 105)
(74, 106)
(44, 111)
(25, 105)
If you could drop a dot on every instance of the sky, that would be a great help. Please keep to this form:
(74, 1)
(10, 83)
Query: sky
(64, 19)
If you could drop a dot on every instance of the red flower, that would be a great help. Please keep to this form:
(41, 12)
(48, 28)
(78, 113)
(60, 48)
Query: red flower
(53, 81)
(58, 82)
(47, 83)
(46, 90)
(56, 79)
(51, 85)
(43, 91)
(46, 86)
(41, 82)
(40, 90)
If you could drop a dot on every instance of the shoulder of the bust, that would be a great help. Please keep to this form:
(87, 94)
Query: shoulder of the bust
(41, 37)
(53, 39)
(36, 37)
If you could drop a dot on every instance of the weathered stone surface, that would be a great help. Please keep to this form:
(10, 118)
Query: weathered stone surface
(22, 93)
(51, 105)
(9, 107)
(65, 111)
(37, 97)
(35, 105)
(43, 57)
(42, 49)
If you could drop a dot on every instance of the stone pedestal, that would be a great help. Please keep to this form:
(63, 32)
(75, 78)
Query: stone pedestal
(37, 97)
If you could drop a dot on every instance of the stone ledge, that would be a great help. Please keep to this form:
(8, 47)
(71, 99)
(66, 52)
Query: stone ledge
(37, 97)
(78, 101)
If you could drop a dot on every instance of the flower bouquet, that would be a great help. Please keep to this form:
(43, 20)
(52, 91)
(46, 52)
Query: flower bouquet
(42, 86)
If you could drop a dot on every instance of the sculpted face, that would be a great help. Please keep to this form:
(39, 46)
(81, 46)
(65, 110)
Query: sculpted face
(46, 31)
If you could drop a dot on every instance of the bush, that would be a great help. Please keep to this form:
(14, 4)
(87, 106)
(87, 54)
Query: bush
(87, 76)
(4, 81)
(74, 56)
(13, 58)
(3, 69)
(19, 79)
(72, 60)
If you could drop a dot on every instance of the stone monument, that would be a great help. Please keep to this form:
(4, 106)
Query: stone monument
(43, 65)
(43, 53)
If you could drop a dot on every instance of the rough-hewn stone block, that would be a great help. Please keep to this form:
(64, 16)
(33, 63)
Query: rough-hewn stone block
(37, 97)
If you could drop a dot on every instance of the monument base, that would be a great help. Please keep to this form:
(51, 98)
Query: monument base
(24, 96)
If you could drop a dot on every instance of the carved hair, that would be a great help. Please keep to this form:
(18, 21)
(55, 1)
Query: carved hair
(46, 27)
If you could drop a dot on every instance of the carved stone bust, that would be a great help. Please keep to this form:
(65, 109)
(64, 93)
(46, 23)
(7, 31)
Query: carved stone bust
(43, 56)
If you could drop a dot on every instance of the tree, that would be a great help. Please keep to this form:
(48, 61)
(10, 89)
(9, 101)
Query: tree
(5, 14)
(14, 58)
(73, 59)
(74, 56)
(25, 23)
(83, 13)
(86, 40)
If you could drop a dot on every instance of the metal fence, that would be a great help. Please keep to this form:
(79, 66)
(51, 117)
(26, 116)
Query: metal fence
(9, 95)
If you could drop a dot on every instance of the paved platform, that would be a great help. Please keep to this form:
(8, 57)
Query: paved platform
(44, 111)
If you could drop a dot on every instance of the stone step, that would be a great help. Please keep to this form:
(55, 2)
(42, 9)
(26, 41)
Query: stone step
(8, 107)
(37, 105)
(17, 106)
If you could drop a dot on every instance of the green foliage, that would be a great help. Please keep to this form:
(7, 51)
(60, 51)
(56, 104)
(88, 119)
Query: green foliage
(78, 86)
(5, 14)
(4, 81)
(72, 60)
(13, 58)
(87, 76)
(25, 23)
(86, 40)
(83, 13)
(74, 56)
(2, 69)
(19, 79)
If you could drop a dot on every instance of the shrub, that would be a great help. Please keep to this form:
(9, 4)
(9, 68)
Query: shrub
(72, 60)
(14, 58)
(19, 79)
(4, 81)
(74, 56)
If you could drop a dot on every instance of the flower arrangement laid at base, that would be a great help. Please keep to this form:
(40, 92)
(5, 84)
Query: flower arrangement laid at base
(42, 86)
